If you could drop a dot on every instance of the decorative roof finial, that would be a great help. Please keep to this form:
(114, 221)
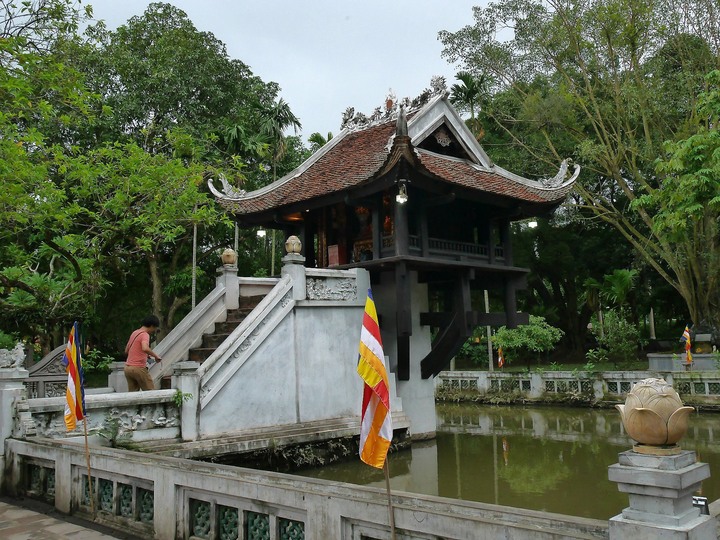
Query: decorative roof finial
(390, 100)
(402, 129)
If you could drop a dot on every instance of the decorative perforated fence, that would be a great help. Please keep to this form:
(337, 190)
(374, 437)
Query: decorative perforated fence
(168, 498)
(611, 385)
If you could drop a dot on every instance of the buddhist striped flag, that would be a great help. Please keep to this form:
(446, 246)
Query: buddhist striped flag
(75, 393)
(376, 428)
(688, 345)
(501, 357)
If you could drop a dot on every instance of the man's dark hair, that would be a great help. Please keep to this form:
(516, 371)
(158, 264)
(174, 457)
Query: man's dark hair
(151, 320)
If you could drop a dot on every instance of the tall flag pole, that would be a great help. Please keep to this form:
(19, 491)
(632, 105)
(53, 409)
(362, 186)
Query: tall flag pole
(688, 345)
(376, 425)
(75, 395)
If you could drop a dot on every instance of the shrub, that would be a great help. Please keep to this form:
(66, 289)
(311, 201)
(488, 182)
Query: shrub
(534, 338)
(619, 341)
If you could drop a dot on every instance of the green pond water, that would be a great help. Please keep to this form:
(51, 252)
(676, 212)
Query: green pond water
(553, 459)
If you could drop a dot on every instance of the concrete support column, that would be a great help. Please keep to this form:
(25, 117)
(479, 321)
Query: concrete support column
(228, 277)
(12, 391)
(294, 266)
(660, 490)
(417, 394)
(186, 380)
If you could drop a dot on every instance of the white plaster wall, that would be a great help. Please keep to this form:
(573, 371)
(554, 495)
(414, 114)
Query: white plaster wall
(262, 393)
(328, 339)
(417, 394)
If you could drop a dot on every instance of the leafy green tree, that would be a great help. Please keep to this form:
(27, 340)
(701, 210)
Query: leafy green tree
(615, 78)
(527, 339)
(687, 207)
(158, 72)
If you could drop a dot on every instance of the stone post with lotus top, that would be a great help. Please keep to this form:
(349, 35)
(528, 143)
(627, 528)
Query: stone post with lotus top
(659, 477)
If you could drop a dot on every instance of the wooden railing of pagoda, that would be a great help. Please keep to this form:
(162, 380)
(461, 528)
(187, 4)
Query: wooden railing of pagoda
(445, 249)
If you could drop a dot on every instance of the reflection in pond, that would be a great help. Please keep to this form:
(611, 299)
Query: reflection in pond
(543, 458)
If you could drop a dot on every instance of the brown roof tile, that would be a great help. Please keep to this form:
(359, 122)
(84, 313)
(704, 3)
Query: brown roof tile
(464, 174)
(358, 156)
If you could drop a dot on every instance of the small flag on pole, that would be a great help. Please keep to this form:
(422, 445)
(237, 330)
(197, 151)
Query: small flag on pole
(688, 345)
(501, 358)
(75, 393)
(376, 428)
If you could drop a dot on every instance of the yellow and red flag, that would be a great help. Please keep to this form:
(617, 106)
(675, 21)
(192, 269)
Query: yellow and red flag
(75, 393)
(501, 358)
(688, 345)
(376, 427)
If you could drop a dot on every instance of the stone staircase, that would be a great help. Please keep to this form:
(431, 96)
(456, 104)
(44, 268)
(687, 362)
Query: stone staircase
(210, 342)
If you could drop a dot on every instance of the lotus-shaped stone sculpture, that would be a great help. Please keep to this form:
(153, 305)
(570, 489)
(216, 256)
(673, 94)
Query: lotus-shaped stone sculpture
(653, 413)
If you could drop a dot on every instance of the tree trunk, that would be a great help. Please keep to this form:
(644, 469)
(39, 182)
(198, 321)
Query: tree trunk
(157, 297)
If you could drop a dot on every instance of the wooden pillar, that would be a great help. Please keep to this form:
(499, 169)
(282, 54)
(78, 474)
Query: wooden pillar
(401, 229)
(403, 314)
(511, 302)
(506, 242)
(424, 232)
(491, 242)
(377, 231)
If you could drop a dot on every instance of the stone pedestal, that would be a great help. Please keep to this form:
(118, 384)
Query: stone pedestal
(12, 391)
(660, 489)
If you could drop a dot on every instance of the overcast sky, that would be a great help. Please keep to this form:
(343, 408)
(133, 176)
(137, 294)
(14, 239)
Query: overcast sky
(326, 55)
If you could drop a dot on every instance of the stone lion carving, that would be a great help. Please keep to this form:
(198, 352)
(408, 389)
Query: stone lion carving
(12, 358)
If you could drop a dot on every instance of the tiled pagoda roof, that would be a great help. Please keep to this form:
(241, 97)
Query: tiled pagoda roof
(355, 157)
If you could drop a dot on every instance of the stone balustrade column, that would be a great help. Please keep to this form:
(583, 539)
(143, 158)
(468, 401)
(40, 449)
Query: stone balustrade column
(294, 266)
(12, 392)
(228, 277)
(116, 378)
(187, 381)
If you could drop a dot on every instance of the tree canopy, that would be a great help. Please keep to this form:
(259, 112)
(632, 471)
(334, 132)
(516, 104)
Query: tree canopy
(607, 83)
(106, 143)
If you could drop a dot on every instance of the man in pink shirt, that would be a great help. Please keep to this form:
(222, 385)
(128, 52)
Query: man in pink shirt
(138, 350)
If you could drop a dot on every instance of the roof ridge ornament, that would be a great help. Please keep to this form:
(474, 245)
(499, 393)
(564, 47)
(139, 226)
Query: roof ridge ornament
(562, 175)
(401, 129)
(228, 191)
(356, 121)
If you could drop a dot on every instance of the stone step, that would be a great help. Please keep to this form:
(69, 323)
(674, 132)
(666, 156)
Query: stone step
(235, 317)
(213, 341)
(250, 301)
(227, 327)
(200, 354)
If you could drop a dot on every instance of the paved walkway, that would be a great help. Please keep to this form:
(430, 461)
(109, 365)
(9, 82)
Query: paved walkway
(28, 520)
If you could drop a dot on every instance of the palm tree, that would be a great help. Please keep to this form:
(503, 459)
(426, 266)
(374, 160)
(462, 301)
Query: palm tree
(468, 95)
(617, 287)
(275, 120)
(317, 141)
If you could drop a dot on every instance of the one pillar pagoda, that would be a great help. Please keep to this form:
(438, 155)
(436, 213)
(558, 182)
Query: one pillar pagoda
(410, 195)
